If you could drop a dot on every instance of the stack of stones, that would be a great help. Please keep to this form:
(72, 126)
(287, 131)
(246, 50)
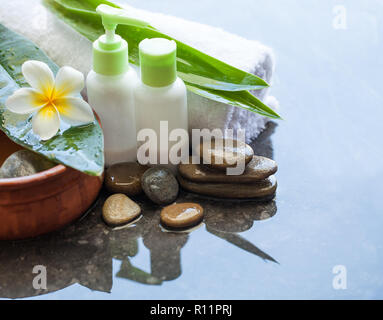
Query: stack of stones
(210, 177)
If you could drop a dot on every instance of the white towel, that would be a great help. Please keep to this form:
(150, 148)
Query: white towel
(67, 47)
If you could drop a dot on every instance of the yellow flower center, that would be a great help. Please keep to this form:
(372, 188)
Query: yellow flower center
(50, 100)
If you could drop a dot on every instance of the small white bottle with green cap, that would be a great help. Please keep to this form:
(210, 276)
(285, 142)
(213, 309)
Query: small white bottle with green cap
(110, 88)
(160, 98)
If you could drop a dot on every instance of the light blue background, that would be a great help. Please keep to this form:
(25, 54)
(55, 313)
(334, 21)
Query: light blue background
(329, 151)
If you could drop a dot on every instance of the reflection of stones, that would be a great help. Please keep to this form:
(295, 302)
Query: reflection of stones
(224, 220)
(82, 253)
(233, 216)
(77, 254)
(224, 224)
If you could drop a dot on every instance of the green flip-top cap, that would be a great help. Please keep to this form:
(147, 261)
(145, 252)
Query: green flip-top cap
(158, 62)
(110, 51)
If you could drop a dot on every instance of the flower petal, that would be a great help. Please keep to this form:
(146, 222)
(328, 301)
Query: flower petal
(25, 100)
(69, 81)
(74, 111)
(39, 76)
(46, 122)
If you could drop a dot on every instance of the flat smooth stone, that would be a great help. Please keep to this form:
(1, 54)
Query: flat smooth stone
(259, 168)
(24, 163)
(182, 215)
(119, 209)
(225, 153)
(260, 189)
(125, 178)
(160, 185)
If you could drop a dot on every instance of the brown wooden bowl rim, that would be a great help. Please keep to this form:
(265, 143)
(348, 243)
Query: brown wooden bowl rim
(32, 179)
(38, 177)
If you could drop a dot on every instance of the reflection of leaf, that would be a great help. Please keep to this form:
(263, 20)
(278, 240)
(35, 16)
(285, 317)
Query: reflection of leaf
(78, 147)
(128, 271)
(242, 243)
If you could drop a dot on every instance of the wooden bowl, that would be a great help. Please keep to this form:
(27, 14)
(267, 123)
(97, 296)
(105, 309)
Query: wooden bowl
(43, 202)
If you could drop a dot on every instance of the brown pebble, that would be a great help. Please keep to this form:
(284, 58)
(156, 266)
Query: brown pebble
(262, 189)
(225, 153)
(125, 178)
(259, 168)
(119, 209)
(181, 215)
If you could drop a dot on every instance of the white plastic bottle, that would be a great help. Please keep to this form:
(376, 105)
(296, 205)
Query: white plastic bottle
(110, 88)
(160, 97)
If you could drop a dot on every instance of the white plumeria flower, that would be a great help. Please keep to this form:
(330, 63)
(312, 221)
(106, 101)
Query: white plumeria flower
(51, 99)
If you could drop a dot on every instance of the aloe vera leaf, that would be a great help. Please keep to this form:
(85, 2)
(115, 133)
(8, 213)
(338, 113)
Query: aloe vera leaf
(193, 65)
(203, 74)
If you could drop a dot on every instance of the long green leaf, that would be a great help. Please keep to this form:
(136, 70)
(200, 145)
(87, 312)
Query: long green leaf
(193, 65)
(78, 147)
(241, 99)
(203, 74)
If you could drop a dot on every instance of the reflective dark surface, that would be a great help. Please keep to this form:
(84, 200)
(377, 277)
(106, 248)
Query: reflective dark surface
(327, 211)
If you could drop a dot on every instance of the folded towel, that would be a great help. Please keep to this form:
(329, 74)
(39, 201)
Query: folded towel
(67, 47)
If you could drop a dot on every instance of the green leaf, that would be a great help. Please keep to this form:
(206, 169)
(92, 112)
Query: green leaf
(241, 99)
(78, 147)
(204, 74)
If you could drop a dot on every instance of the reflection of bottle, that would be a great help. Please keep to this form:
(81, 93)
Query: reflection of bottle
(110, 88)
(165, 252)
(160, 97)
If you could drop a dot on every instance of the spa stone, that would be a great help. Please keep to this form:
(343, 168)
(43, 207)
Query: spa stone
(259, 168)
(119, 209)
(224, 153)
(181, 215)
(160, 185)
(24, 163)
(125, 178)
(262, 189)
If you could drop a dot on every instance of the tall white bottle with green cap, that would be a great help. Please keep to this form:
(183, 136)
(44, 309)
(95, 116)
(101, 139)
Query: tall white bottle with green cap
(110, 87)
(160, 99)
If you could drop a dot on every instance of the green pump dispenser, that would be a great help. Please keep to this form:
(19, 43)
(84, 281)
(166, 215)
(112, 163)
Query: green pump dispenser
(110, 51)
